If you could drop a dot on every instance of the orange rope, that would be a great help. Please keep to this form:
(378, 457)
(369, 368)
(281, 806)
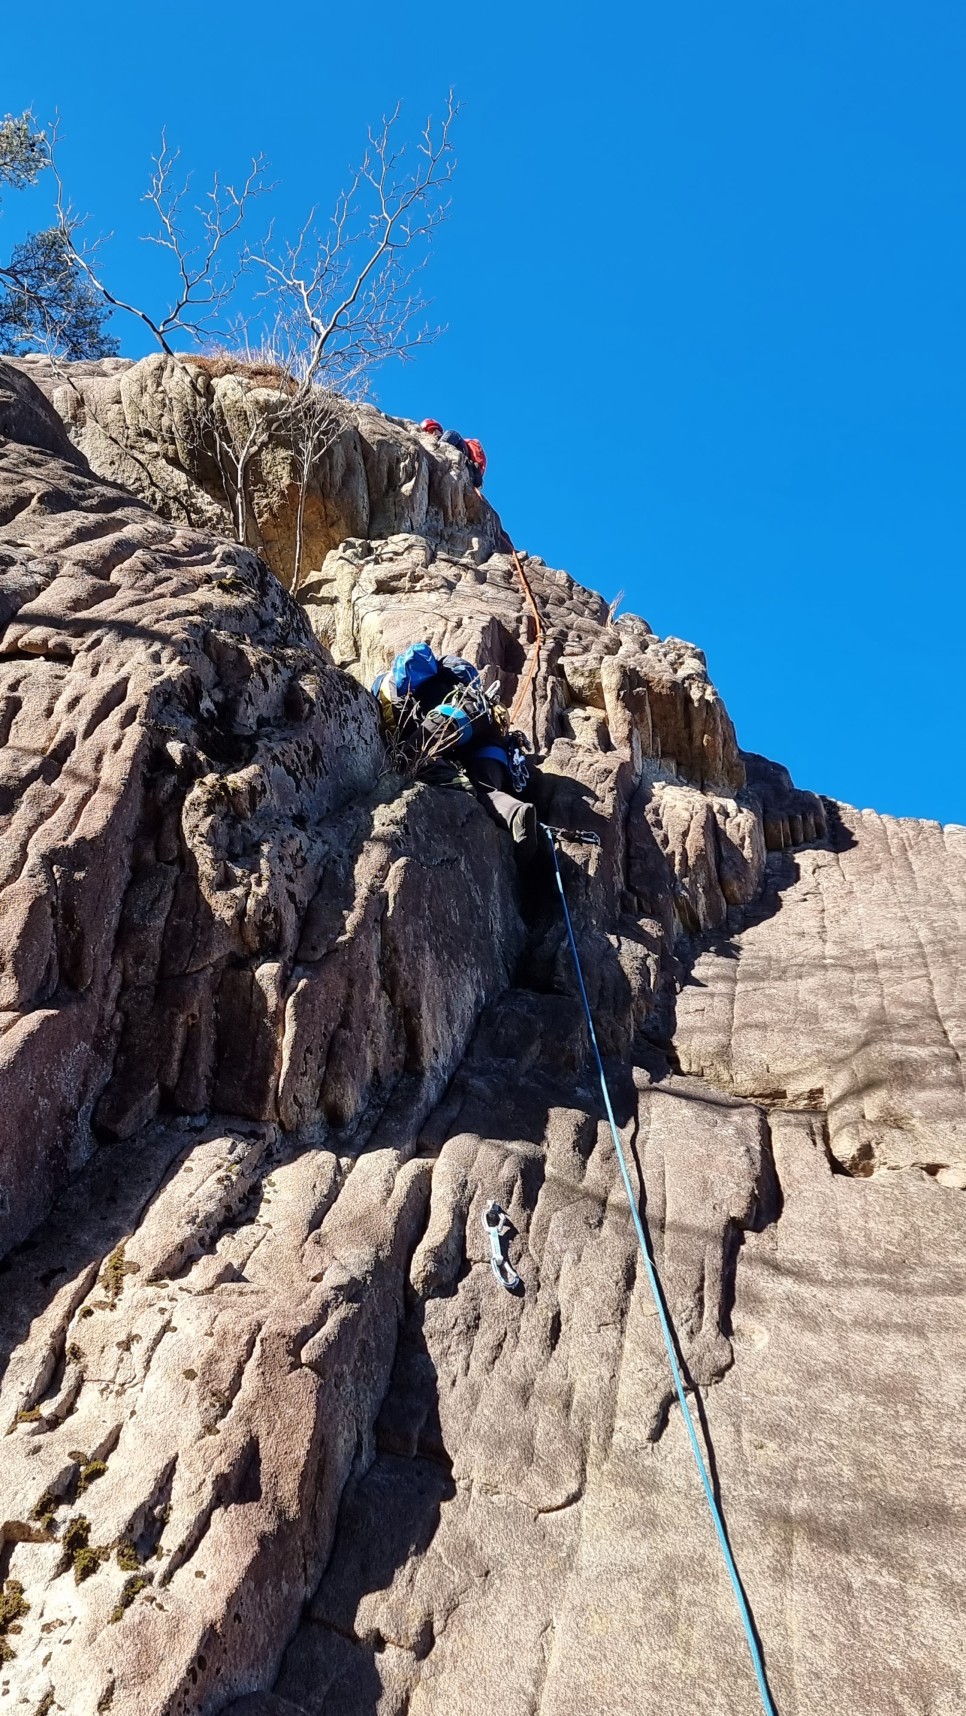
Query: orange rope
(538, 642)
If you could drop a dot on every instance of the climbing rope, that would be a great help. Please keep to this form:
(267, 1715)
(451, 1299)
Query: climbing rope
(666, 1330)
(518, 701)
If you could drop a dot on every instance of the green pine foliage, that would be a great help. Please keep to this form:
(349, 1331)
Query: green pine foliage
(46, 300)
(22, 151)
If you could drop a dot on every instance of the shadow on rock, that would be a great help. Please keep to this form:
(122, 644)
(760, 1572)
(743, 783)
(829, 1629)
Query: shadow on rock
(362, 1631)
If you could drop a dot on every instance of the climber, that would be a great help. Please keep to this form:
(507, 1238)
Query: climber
(471, 450)
(457, 734)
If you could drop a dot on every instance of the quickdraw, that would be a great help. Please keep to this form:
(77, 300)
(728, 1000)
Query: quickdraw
(498, 1227)
(576, 836)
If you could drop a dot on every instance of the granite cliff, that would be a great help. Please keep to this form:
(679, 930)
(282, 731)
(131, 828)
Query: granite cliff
(277, 1022)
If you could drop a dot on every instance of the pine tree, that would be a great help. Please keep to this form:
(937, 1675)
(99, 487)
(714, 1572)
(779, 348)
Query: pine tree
(22, 154)
(45, 299)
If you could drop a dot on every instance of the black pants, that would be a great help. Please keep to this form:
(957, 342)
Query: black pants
(491, 780)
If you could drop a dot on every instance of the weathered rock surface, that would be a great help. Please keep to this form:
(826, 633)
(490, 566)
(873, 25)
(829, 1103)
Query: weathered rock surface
(860, 946)
(185, 437)
(277, 1025)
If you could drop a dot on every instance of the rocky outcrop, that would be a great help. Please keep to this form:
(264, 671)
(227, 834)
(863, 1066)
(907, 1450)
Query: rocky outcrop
(168, 724)
(189, 434)
(277, 1024)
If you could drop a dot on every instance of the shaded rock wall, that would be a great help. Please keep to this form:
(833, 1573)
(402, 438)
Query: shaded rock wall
(278, 1024)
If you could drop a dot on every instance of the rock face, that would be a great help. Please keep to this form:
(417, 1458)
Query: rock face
(278, 1023)
(873, 943)
(191, 441)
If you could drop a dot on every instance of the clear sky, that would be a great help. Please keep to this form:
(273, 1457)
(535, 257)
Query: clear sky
(703, 283)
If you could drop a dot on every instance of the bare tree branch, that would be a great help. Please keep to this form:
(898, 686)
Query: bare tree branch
(273, 402)
(352, 286)
(206, 280)
(345, 296)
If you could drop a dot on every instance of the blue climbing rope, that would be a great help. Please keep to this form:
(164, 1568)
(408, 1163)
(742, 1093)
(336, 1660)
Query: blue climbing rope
(746, 1621)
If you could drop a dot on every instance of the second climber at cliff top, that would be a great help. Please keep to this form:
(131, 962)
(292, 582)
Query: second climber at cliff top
(456, 733)
(471, 450)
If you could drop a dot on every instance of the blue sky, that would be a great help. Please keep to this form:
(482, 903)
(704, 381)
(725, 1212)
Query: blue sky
(703, 283)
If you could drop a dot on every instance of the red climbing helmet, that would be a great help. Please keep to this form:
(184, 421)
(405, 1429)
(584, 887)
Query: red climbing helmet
(429, 426)
(477, 455)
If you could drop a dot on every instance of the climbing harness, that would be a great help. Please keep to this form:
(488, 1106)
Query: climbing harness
(518, 701)
(498, 1227)
(666, 1330)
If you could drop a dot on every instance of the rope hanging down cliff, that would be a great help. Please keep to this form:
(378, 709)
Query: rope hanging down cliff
(518, 701)
(666, 1330)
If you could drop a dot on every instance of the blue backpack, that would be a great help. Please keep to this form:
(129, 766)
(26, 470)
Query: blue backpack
(461, 670)
(412, 667)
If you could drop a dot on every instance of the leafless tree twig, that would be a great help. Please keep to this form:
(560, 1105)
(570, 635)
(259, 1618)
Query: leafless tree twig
(346, 296)
(352, 288)
(206, 275)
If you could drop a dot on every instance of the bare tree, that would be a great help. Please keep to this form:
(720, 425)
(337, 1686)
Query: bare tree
(198, 239)
(344, 299)
(267, 400)
(234, 456)
(340, 299)
(344, 296)
(348, 289)
(317, 418)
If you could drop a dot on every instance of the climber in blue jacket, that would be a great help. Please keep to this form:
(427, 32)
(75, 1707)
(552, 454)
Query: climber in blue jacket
(452, 726)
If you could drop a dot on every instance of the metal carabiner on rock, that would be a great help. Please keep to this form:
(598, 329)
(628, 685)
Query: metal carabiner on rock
(497, 1226)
